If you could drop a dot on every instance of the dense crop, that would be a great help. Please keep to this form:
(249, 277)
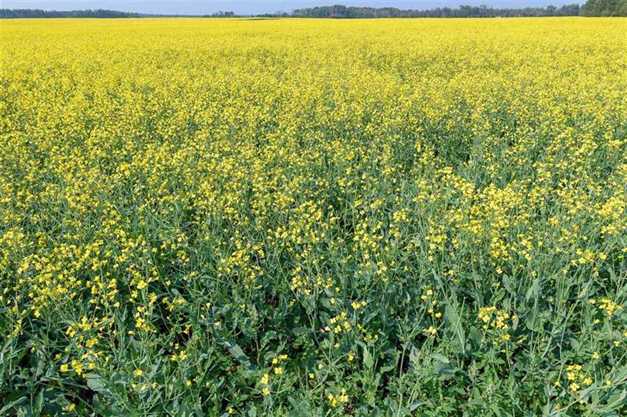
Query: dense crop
(313, 218)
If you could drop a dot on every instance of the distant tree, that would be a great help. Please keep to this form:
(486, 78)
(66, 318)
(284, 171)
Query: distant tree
(605, 8)
(38, 13)
(223, 14)
(338, 11)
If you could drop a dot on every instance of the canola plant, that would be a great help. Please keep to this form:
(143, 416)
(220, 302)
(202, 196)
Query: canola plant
(292, 217)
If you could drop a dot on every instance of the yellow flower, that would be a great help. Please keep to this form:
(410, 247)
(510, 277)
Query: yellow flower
(336, 400)
(265, 379)
(78, 367)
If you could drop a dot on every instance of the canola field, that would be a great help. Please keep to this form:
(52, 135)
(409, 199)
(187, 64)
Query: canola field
(313, 217)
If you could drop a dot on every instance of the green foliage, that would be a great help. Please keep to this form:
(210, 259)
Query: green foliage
(38, 13)
(605, 8)
(353, 12)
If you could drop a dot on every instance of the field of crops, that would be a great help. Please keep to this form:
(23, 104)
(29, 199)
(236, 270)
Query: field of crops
(309, 218)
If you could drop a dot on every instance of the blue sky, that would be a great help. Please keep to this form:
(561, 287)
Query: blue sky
(252, 6)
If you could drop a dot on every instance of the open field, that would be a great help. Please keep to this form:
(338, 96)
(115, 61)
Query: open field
(313, 218)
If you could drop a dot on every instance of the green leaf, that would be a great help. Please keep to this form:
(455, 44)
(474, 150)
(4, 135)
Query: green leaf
(39, 403)
(440, 358)
(533, 290)
(96, 383)
(455, 324)
(368, 361)
(236, 351)
(12, 404)
(616, 401)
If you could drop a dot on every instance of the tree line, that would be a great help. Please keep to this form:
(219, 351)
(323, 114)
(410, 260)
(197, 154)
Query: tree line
(590, 8)
(605, 8)
(349, 12)
(39, 13)
(100, 13)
